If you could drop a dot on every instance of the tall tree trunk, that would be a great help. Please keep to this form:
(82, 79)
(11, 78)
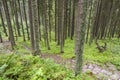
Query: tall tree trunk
(56, 20)
(46, 23)
(12, 17)
(68, 17)
(39, 17)
(3, 24)
(31, 26)
(11, 35)
(50, 17)
(89, 21)
(80, 35)
(1, 40)
(60, 23)
(65, 18)
(73, 20)
(27, 27)
(36, 27)
(23, 32)
(16, 18)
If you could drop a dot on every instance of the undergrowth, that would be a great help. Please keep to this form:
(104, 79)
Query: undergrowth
(28, 67)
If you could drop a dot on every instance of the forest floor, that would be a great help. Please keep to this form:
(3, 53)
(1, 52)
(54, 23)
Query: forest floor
(109, 71)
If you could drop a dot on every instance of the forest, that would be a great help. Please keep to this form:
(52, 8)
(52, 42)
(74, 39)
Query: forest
(59, 39)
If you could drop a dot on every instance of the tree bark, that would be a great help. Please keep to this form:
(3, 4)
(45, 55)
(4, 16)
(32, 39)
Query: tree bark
(11, 35)
(3, 24)
(31, 26)
(36, 27)
(80, 35)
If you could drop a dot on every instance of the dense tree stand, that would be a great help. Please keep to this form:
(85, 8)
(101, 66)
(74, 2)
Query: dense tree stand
(80, 32)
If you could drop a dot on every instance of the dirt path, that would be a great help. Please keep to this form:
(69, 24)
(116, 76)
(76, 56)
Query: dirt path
(5, 47)
(108, 72)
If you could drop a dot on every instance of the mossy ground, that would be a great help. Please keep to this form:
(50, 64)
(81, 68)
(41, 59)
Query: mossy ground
(28, 67)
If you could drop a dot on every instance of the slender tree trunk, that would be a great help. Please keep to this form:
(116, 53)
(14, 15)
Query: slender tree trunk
(39, 17)
(73, 21)
(27, 27)
(56, 20)
(65, 18)
(16, 18)
(36, 27)
(50, 17)
(31, 26)
(46, 23)
(1, 40)
(3, 24)
(80, 35)
(23, 32)
(68, 17)
(60, 23)
(12, 17)
(11, 35)
(89, 21)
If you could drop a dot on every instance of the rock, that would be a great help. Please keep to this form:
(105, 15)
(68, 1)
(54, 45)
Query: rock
(97, 69)
(85, 67)
(94, 65)
(112, 68)
(73, 61)
(104, 71)
(72, 66)
(84, 70)
(90, 66)
(109, 73)
(115, 77)
(8, 51)
(95, 72)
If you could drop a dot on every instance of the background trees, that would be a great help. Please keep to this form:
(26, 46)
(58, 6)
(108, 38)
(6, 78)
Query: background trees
(58, 20)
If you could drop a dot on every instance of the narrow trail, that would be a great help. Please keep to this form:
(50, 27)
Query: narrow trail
(5, 47)
(108, 72)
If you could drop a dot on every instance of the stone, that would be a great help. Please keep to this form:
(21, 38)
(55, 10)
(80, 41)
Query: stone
(90, 66)
(104, 71)
(8, 51)
(84, 70)
(94, 65)
(115, 77)
(97, 69)
(95, 72)
(73, 61)
(109, 73)
(73, 66)
(85, 67)
(112, 67)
